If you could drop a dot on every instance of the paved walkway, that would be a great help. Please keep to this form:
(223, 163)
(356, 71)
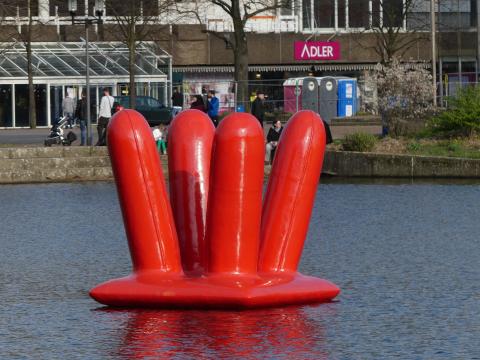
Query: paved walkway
(35, 137)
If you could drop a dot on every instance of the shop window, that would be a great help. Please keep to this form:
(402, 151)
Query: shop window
(450, 67)
(21, 105)
(468, 66)
(41, 104)
(5, 105)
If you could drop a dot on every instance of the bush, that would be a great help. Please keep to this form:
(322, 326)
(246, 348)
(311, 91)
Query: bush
(223, 115)
(462, 118)
(404, 97)
(359, 142)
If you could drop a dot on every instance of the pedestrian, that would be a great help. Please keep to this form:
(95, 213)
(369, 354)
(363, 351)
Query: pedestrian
(328, 133)
(81, 114)
(106, 104)
(68, 107)
(213, 106)
(159, 134)
(258, 107)
(177, 101)
(198, 103)
(272, 140)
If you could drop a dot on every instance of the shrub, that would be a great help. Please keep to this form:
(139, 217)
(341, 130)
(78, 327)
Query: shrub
(404, 97)
(359, 142)
(462, 118)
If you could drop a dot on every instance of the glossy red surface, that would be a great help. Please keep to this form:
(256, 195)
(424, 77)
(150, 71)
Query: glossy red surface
(189, 153)
(235, 254)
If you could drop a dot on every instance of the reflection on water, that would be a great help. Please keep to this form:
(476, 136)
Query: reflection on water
(405, 256)
(277, 333)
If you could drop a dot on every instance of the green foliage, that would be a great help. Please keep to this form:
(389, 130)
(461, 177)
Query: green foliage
(359, 142)
(462, 118)
(459, 148)
(223, 115)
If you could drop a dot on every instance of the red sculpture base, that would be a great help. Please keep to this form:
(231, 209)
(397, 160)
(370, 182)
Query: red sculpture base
(154, 289)
(215, 243)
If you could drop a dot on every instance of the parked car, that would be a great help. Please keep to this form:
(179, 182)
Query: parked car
(153, 110)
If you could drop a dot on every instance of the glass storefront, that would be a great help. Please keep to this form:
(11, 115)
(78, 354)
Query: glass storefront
(6, 105)
(59, 71)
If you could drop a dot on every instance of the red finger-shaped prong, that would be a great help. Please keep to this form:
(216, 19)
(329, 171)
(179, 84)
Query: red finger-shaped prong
(143, 196)
(291, 191)
(235, 197)
(190, 139)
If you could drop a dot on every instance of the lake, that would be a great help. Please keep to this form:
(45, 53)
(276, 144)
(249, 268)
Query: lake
(406, 256)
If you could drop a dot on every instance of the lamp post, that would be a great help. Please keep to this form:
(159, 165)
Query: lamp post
(87, 21)
(434, 51)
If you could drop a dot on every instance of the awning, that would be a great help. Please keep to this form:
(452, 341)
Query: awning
(289, 67)
(58, 61)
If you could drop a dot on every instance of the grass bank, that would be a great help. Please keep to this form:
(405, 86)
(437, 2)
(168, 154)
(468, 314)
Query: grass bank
(456, 148)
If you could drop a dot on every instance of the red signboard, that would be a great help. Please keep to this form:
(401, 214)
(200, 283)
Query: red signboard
(317, 50)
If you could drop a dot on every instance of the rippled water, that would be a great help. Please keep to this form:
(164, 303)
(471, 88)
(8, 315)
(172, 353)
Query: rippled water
(406, 257)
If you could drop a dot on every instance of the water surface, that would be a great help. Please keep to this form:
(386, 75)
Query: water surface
(405, 256)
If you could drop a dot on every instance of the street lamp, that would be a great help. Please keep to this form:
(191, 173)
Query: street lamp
(87, 21)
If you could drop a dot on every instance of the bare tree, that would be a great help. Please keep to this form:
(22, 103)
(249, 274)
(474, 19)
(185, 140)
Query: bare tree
(135, 22)
(239, 12)
(395, 26)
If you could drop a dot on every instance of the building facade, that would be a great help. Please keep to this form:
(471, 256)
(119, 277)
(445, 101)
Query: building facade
(202, 59)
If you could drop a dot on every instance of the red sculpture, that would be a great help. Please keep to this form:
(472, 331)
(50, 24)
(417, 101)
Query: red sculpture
(214, 244)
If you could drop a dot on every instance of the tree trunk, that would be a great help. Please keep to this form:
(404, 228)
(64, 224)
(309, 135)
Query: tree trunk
(131, 69)
(32, 115)
(240, 52)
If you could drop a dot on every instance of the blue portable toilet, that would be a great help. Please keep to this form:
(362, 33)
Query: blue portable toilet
(240, 108)
(347, 97)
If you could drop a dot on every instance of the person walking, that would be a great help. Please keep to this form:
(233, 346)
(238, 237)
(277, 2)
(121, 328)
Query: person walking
(68, 107)
(105, 114)
(81, 114)
(258, 107)
(213, 107)
(177, 101)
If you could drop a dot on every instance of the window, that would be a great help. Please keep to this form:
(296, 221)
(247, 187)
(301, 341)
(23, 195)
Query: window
(358, 13)
(287, 9)
(321, 15)
(393, 13)
(307, 14)
(9, 7)
(324, 13)
(455, 15)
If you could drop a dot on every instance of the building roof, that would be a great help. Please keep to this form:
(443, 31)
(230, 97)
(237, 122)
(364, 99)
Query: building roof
(59, 62)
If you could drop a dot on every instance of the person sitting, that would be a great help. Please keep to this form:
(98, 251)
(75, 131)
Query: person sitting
(272, 140)
(198, 103)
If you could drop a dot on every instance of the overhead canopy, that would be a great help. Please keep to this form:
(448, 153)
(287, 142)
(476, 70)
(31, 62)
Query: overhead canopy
(290, 67)
(63, 62)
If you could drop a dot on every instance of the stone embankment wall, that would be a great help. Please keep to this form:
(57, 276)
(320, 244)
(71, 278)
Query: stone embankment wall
(343, 163)
(59, 164)
(54, 164)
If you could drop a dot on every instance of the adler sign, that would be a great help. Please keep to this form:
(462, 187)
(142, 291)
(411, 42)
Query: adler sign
(317, 50)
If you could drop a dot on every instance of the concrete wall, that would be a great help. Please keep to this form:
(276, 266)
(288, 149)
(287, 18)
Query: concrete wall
(55, 164)
(340, 163)
(61, 164)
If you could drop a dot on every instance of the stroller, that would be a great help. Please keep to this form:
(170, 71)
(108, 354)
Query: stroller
(56, 136)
